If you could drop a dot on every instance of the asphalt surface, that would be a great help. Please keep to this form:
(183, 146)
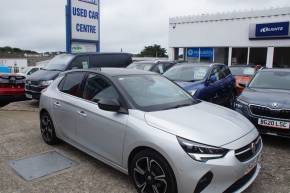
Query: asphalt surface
(20, 137)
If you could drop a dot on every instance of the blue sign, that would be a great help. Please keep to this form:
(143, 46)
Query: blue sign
(206, 52)
(193, 52)
(4, 69)
(272, 29)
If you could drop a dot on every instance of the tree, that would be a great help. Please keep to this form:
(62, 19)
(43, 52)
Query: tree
(153, 51)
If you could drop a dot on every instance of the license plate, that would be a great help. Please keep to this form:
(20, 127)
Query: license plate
(29, 96)
(274, 124)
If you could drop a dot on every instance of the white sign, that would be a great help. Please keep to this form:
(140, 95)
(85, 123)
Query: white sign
(85, 20)
(82, 47)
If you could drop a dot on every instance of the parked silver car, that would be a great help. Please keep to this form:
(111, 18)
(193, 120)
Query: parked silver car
(146, 126)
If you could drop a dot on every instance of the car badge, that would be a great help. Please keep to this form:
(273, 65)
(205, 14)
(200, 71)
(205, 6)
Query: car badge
(275, 105)
(253, 148)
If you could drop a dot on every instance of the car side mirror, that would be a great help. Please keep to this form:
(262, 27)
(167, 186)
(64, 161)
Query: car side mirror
(243, 85)
(212, 79)
(109, 105)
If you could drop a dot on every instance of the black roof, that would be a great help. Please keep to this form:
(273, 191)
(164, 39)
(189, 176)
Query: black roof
(115, 71)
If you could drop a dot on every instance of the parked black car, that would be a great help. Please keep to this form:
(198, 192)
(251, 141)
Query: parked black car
(209, 82)
(153, 66)
(266, 101)
(44, 77)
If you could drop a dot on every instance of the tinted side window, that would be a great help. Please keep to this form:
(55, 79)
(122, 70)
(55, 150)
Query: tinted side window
(214, 74)
(225, 71)
(72, 83)
(81, 62)
(96, 88)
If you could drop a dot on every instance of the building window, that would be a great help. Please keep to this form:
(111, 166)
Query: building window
(281, 58)
(239, 56)
(258, 56)
(221, 55)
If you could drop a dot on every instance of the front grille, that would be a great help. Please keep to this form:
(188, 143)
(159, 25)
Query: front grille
(33, 88)
(249, 151)
(268, 112)
(241, 182)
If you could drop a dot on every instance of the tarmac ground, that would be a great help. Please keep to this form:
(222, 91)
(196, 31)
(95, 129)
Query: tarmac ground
(20, 137)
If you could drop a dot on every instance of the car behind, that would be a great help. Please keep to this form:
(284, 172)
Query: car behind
(148, 127)
(266, 102)
(243, 75)
(45, 76)
(209, 82)
(11, 88)
(154, 66)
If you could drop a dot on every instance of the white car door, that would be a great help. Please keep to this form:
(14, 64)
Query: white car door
(65, 106)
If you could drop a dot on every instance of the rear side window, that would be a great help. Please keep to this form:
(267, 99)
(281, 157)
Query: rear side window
(96, 88)
(81, 62)
(72, 83)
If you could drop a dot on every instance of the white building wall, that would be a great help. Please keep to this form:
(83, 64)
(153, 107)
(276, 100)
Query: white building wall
(224, 30)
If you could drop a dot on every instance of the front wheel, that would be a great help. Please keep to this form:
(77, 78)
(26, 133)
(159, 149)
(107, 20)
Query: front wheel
(151, 173)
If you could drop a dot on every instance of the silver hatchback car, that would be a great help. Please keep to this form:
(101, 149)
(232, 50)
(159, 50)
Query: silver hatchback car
(146, 126)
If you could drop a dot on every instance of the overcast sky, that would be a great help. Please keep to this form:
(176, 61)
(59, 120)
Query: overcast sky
(128, 24)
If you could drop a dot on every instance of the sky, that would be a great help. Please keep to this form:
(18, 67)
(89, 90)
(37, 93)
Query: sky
(129, 25)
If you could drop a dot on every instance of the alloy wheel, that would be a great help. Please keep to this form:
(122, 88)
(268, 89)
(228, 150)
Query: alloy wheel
(149, 176)
(46, 128)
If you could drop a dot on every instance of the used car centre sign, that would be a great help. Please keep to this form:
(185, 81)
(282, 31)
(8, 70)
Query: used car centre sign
(83, 30)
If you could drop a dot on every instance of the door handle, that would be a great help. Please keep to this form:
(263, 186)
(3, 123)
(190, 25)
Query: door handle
(57, 104)
(82, 113)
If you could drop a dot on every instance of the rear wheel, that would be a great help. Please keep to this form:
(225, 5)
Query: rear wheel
(151, 173)
(47, 129)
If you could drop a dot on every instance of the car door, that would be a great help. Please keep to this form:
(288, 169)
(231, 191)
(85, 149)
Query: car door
(65, 106)
(211, 92)
(101, 131)
(227, 84)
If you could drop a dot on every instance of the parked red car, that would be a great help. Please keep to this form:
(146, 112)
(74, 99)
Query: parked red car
(11, 88)
(243, 75)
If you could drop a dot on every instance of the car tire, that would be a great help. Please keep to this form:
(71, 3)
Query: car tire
(47, 129)
(149, 171)
(2, 104)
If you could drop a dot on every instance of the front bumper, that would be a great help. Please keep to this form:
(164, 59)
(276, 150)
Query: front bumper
(229, 174)
(33, 91)
(262, 129)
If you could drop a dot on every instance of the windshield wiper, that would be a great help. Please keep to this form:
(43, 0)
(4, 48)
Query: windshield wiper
(179, 106)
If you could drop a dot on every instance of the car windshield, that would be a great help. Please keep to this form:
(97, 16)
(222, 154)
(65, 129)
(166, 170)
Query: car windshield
(59, 63)
(242, 71)
(271, 80)
(141, 66)
(187, 73)
(154, 92)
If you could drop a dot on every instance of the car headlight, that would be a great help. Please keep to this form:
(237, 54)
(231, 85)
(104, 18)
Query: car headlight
(193, 92)
(239, 104)
(46, 82)
(201, 152)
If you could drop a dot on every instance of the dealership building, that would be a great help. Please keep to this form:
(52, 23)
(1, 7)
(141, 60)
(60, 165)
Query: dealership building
(260, 37)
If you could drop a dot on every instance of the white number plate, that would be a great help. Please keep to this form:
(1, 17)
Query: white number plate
(274, 124)
(29, 96)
